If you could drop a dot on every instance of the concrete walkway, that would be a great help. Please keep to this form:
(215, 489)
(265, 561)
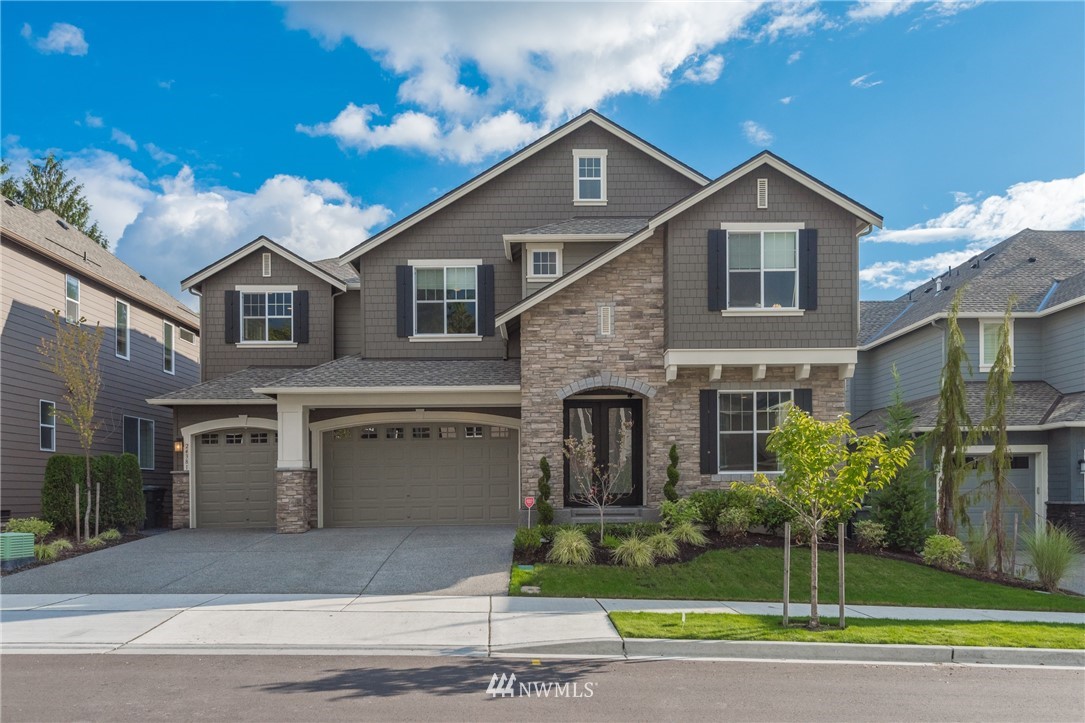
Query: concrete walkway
(371, 624)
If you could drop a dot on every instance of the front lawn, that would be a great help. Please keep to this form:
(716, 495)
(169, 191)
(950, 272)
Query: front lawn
(756, 573)
(724, 626)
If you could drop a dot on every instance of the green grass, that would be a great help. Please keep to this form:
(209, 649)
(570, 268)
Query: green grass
(756, 573)
(724, 626)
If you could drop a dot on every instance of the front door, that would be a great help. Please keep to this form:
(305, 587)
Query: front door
(614, 425)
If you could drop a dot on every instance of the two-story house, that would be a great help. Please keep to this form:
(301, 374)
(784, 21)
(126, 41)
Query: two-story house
(150, 346)
(588, 286)
(1044, 271)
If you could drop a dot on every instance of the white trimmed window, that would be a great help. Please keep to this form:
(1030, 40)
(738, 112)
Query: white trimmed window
(139, 440)
(989, 330)
(167, 347)
(267, 316)
(762, 269)
(71, 299)
(122, 330)
(590, 177)
(187, 335)
(47, 426)
(745, 421)
(445, 300)
(544, 264)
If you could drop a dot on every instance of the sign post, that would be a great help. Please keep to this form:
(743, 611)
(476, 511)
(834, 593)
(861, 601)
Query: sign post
(529, 502)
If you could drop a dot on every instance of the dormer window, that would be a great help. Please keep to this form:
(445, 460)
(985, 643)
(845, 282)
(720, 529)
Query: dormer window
(544, 264)
(590, 177)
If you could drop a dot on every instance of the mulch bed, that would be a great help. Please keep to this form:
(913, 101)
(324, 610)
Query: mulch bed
(76, 551)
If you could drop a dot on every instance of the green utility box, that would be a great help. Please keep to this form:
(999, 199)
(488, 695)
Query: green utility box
(16, 549)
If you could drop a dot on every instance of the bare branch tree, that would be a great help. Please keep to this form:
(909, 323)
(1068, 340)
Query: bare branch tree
(597, 486)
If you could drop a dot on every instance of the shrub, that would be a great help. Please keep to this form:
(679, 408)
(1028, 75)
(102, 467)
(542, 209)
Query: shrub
(709, 505)
(612, 541)
(669, 489)
(904, 509)
(64, 473)
(1052, 551)
(981, 550)
(675, 513)
(527, 540)
(645, 529)
(36, 527)
(94, 542)
(570, 547)
(772, 514)
(52, 550)
(870, 535)
(121, 482)
(546, 510)
(689, 533)
(110, 535)
(733, 521)
(634, 552)
(664, 545)
(944, 551)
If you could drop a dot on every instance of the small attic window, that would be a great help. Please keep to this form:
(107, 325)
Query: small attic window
(266, 265)
(762, 193)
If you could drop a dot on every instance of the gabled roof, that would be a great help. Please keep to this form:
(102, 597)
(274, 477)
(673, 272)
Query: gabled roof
(233, 388)
(589, 116)
(589, 226)
(48, 234)
(356, 372)
(336, 280)
(1044, 270)
(764, 158)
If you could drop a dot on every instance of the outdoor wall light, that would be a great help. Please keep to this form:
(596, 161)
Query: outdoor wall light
(1081, 466)
(178, 445)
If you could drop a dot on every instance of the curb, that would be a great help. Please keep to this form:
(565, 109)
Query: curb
(589, 648)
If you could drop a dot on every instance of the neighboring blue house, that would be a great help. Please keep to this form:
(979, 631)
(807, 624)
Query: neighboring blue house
(1045, 271)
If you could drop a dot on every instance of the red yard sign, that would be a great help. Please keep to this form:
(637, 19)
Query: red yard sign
(529, 502)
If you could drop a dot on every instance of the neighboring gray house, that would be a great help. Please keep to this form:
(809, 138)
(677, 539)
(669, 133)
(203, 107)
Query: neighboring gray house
(1045, 271)
(589, 285)
(150, 347)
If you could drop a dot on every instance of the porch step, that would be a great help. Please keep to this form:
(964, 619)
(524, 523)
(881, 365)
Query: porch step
(617, 514)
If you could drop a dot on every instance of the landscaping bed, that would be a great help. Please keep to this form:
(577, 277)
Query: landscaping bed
(727, 626)
(74, 551)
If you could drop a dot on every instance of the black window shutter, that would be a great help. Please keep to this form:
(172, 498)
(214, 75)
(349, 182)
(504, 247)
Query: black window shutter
(804, 400)
(486, 300)
(301, 317)
(131, 435)
(717, 270)
(710, 412)
(808, 269)
(404, 306)
(233, 317)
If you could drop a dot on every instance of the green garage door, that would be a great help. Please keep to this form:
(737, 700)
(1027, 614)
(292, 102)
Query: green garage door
(420, 474)
(1020, 498)
(235, 478)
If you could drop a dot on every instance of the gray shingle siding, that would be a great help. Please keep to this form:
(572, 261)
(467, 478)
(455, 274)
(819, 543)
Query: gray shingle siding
(1064, 448)
(690, 324)
(1027, 349)
(918, 357)
(348, 324)
(1063, 344)
(536, 192)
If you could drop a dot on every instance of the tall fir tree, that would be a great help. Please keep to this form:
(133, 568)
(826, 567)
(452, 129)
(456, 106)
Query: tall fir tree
(47, 185)
(952, 426)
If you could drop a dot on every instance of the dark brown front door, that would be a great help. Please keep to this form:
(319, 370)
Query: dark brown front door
(615, 427)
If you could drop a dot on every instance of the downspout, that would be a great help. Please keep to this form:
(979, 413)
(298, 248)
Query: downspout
(505, 340)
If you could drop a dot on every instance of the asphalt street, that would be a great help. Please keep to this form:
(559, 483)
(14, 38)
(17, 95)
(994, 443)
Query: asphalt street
(281, 688)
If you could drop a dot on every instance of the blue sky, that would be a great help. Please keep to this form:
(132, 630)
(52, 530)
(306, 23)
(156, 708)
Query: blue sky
(198, 126)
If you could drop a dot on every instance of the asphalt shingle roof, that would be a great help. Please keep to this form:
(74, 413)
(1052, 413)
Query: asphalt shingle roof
(354, 372)
(236, 386)
(347, 274)
(876, 315)
(44, 230)
(585, 225)
(1026, 266)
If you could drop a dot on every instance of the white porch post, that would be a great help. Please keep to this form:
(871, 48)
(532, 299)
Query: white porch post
(293, 435)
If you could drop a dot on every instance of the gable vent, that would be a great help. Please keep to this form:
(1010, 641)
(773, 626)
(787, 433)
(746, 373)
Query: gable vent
(266, 267)
(606, 320)
(762, 193)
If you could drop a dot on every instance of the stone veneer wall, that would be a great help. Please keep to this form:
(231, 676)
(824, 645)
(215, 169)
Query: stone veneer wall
(295, 500)
(560, 346)
(181, 500)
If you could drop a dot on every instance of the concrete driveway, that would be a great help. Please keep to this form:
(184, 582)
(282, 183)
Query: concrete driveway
(383, 561)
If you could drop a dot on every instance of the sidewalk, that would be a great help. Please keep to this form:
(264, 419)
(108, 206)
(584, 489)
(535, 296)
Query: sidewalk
(406, 625)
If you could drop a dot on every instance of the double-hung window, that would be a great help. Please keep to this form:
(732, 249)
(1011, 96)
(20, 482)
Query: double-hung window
(763, 269)
(47, 426)
(590, 177)
(139, 440)
(267, 316)
(446, 300)
(989, 331)
(746, 419)
(167, 347)
(71, 299)
(122, 331)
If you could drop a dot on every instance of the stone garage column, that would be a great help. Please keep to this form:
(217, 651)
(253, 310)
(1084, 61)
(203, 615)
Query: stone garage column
(181, 499)
(295, 479)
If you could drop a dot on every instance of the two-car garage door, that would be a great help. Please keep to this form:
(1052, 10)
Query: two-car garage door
(420, 473)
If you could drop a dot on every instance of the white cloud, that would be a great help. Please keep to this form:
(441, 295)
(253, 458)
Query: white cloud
(92, 121)
(909, 274)
(706, 71)
(800, 17)
(960, 197)
(863, 82)
(1056, 204)
(165, 84)
(794, 57)
(161, 156)
(757, 134)
(786, 100)
(873, 10)
(119, 136)
(63, 38)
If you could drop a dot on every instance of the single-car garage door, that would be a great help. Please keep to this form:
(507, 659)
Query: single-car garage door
(1019, 500)
(420, 473)
(235, 478)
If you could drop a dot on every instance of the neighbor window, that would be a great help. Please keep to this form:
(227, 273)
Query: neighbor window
(545, 263)
(267, 316)
(167, 347)
(47, 426)
(123, 334)
(139, 440)
(989, 343)
(590, 177)
(746, 419)
(445, 300)
(187, 335)
(763, 269)
(71, 297)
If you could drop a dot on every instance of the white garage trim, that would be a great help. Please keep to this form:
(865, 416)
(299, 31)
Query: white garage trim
(1040, 450)
(213, 425)
(317, 430)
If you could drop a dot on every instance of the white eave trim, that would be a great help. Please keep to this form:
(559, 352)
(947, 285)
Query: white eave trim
(167, 402)
(262, 243)
(475, 389)
(513, 160)
(751, 357)
(1025, 427)
(555, 238)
